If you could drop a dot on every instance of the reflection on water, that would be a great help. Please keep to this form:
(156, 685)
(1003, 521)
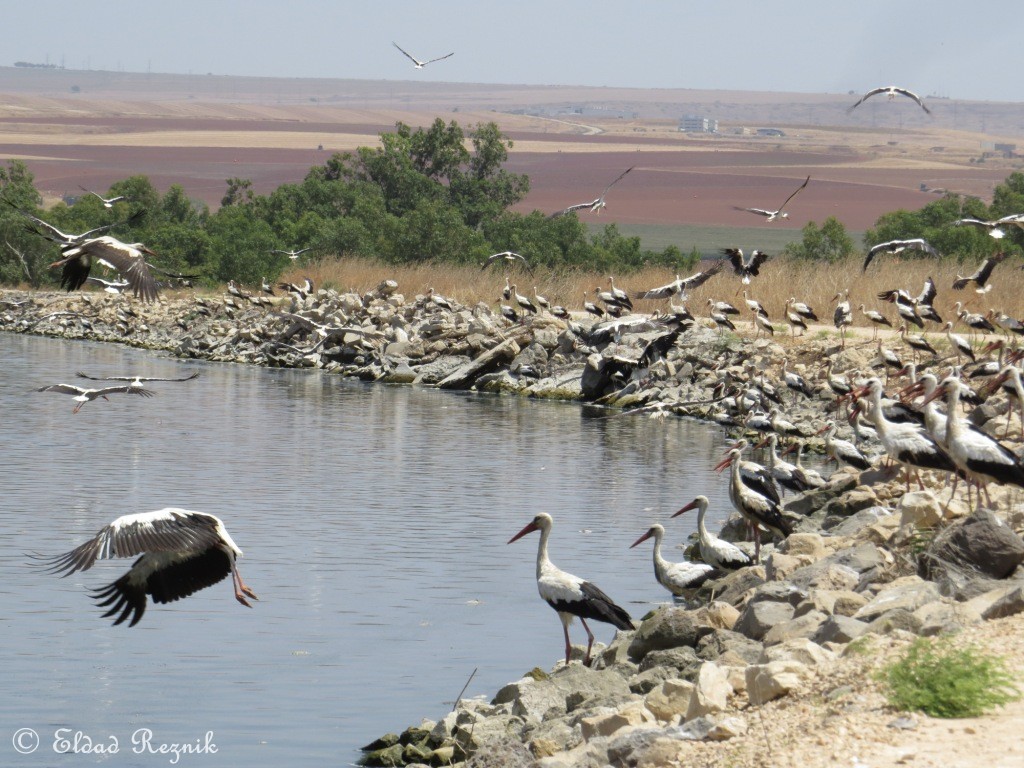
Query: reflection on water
(373, 521)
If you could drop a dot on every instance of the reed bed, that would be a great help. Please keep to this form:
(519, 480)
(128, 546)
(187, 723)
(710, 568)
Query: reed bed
(813, 284)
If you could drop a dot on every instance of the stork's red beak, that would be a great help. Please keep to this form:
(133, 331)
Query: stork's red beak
(687, 508)
(723, 463)
(824, 429)
(528, 529)
(641, 540)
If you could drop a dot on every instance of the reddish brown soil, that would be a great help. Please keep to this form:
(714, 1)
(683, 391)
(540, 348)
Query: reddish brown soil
(857, 172)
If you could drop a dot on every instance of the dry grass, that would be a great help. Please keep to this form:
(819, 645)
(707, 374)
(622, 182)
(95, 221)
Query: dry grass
(814, 285)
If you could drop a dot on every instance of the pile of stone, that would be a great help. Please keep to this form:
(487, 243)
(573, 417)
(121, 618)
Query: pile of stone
(909, 568)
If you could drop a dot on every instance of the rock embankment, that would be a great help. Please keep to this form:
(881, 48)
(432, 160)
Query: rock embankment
(867, 563)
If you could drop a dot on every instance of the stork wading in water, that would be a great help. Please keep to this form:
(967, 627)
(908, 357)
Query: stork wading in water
(771, 216)
(570, 595)
(716, 552)
(182, 552)
(677, 578)
(83, 395)
(892, 91)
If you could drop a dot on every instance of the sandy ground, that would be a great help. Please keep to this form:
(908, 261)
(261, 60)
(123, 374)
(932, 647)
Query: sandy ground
(843, 720)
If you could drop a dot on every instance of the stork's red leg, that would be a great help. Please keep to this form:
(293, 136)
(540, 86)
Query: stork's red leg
(590, 641)
(568, 645)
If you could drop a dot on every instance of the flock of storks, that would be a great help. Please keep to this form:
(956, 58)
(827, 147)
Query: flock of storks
(182, 551)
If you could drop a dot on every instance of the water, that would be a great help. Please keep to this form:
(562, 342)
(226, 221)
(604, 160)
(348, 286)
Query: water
(374, 522)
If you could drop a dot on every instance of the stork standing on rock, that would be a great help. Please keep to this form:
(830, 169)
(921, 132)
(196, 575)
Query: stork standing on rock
(570, 595)
(714, 551)
(677, 578)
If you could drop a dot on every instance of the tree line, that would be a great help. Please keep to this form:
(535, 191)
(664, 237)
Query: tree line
(436, 195)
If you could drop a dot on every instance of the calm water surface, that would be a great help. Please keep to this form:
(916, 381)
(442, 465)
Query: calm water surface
(373, 521)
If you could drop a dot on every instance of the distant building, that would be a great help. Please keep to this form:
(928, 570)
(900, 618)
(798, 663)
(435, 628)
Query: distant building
(698, 124)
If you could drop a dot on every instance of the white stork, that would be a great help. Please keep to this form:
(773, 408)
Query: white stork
(182, 552)
(594, 206)
(917, 343)
(417, 64)
(108, 202)
(898, 246)
(786, 474)
(771, 216)
(976, 322)
(570, 595)
(842, 451)
(680, 285)
(293, 254)
(759, 510)
(136, 381)
(980, 276)
(129, 259)
(591, 307)
(906, 444)
(980, 457)
(714, 551)
(83, 396)
(876, 318)
(892, 92)
(842, 316)
(745, 267)
(509, 257)
(958, 343)
(523, 301)
(620, 296)
(995, 228)
(794, 319)
(677, 578)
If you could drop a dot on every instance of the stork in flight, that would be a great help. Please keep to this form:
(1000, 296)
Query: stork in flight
(892, 91)
(898, 246)
(127, 258)
(981, 275)
(108, 202)
(680, 285)
(745, 267)
(135, 381)
(995, 228)
(509, 257)
(570, 595)
(416, 62)
(778, 214)
(83, 396)
(292, 254)
(596, 205)
(182, 552)
(64, 239)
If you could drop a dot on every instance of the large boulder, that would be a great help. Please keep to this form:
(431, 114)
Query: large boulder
(980, 544)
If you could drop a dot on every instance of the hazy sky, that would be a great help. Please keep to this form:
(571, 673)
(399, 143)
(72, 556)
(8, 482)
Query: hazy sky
(960, 50)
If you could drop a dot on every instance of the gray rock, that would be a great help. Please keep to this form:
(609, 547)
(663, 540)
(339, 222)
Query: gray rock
(433, 372)
(766, 682)
(891, 621)
(850, 526)
(669, 627)
(813, 500)
(798, 627)
(734, 588)
(757, 618)
(839, 629)
(683, 661)
(980, 543)
(625, 751)
(908, 596)
(840, 570)
(724, 641)
(850, 502)
(778, 592)
(1007, 605)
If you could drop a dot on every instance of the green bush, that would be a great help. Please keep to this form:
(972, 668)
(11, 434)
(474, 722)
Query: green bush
(941, 680)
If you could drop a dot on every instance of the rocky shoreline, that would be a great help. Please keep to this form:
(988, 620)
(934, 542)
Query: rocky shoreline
(866, 560)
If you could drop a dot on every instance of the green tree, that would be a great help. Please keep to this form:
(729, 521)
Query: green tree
(830, 242)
